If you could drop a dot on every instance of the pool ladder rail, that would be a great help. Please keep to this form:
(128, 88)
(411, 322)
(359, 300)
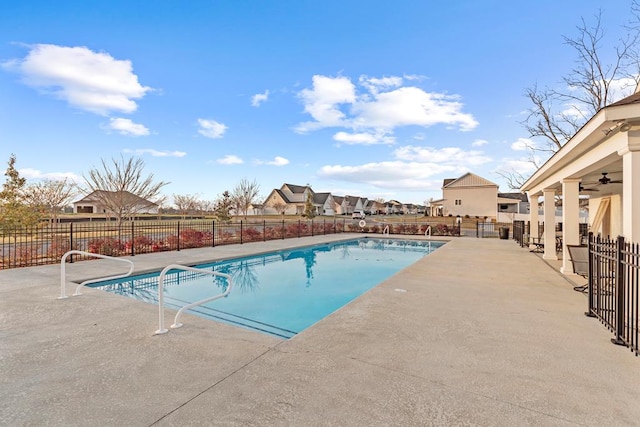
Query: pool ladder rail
(63, 272)
(161, 328)
(176, 322)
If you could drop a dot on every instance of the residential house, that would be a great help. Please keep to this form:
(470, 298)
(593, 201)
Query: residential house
(95, 203)
(469, 195)
(324, 203)
(289, 199)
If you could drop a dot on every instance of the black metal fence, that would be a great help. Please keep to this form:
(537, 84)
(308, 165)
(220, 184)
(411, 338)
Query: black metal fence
(493, 229)
(614, 267)
(26, 247)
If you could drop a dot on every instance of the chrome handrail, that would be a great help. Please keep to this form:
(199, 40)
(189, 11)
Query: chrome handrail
(63, 272)
(176, 324)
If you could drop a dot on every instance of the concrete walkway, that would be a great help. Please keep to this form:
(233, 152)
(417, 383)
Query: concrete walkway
(486, 334)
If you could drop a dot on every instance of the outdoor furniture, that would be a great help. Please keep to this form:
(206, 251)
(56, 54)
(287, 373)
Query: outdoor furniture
(579, 255)
(538, 243)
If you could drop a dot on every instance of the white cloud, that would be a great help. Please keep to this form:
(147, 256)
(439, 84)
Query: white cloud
(522, 166)
(452, 155)
(391, 174)
(375, 85)
(622, 88)
(363, 138)
(127, 127)
(382, 105)
(29, 173)
(414, 168)
(323, 101)
(211, 128)
(479, 142)
(230, 159)
(259, 98)
(88, 80)
(412, 106)
(523, 144)
(279, 161)
(155, 153)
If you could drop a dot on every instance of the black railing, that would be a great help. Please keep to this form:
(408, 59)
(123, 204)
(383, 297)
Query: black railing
(521, 232)
(27, 247)
(492, 229)
(614, 267)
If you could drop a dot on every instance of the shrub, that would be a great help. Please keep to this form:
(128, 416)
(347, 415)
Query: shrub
(58, 247)
(411, 229)
(250, 234)
(106, 246)
(141, 244)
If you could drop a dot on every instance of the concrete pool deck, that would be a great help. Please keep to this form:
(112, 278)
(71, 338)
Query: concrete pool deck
(480, 332)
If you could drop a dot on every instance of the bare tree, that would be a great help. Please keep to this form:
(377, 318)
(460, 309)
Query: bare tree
(592, 83)
(208, 206)
(187, 204)
(51, 195)
(279, 206)
(244, 195)
(121, 188)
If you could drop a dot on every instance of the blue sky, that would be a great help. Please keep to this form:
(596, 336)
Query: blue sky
(369, 98)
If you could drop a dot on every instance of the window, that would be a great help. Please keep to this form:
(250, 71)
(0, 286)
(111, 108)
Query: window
(458, 202)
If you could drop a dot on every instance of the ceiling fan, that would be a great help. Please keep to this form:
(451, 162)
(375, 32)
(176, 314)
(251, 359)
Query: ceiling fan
(583, 189)
(606, 180)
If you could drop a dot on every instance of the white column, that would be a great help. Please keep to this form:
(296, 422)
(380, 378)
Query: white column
(549, 195)
(570, 220)
(533, 219)
(631, 188)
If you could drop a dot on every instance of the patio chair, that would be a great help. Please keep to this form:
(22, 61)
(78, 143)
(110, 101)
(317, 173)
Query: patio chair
(538, 243)
(579, 255)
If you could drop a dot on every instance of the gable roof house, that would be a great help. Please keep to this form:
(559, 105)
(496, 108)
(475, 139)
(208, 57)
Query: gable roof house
(324, 204)
(290, 199)
(338, 205)
(99, 201)
(470, 195)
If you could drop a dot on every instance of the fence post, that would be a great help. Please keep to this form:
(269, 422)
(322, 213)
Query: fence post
(619, 281)
(264, 230)
(298, 229)
(71, 241)
(240, 231)
(590, 277)
(178, 236)
(311, 227)
(283, 229)
(213, 234)
(133, 239)
(478, 229)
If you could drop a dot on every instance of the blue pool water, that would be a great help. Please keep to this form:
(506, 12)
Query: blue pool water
(281, 293)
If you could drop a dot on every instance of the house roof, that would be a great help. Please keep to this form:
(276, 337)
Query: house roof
(320, 198)
(631, 99)
(99, 195)
(297, 188)
(469, 180)
(516, 196)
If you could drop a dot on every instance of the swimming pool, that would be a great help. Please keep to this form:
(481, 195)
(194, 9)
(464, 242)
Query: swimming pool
(281, 293)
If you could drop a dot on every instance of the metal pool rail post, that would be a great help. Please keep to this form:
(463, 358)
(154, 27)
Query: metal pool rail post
(176, 324)
(427, 232)
(63, 271)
